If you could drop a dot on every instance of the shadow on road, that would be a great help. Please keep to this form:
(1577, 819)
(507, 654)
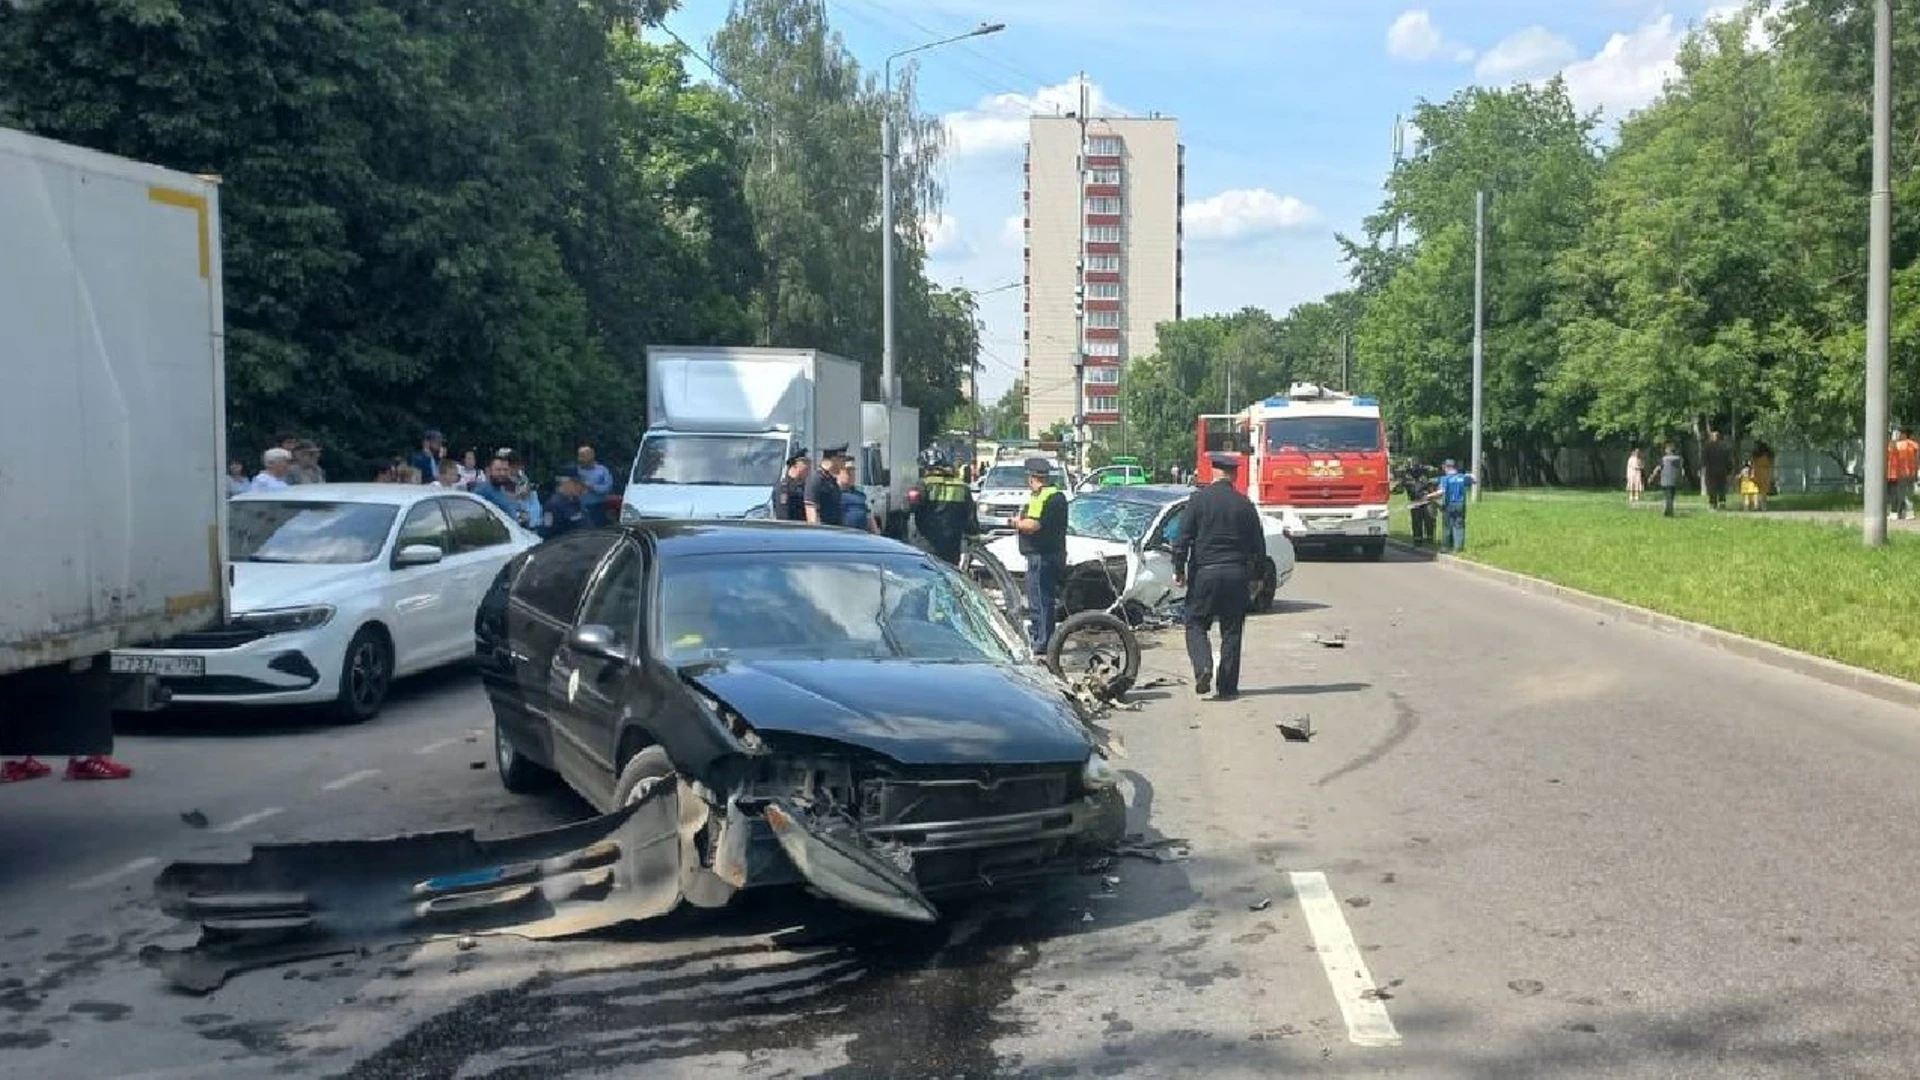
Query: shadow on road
(1300, 689)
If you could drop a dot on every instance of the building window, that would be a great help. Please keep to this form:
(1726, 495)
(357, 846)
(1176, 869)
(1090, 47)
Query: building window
(1102, 403)
(1103, 176)
(1101, 347)
(1103, 146)
(1103, 234)
(1103, 204)
(1103, 264)
(1103, 376)
(1103, 290)
(1106, 320)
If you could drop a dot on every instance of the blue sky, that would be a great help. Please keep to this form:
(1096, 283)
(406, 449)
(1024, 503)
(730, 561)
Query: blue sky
(1286, 107)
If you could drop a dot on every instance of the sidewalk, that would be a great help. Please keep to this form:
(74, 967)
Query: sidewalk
(1820, 517)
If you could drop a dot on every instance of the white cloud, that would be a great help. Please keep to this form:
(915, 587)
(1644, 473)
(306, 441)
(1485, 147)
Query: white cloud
(1013, 231)
(1629, 71)
(1526, 54)
(998, 125)
(1244, 212)
(941, 234)
(1413, 36)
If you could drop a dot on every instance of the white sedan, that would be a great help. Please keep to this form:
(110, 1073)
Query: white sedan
(338, 589)
(1108, 522)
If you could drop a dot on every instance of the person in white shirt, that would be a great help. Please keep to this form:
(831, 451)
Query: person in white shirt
(273, 470)
(450, 476)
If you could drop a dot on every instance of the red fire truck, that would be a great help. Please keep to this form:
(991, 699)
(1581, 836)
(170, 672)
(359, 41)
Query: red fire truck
(1315, 459)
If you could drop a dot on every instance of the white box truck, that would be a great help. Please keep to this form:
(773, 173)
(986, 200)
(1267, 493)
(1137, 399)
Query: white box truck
(889, 461)
(722, 420)
(112, 428)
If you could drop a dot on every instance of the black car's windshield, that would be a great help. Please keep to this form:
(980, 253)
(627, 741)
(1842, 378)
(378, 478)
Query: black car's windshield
(269, 530)
(1352, 434)
(793, 606)
(709, 460)
(1103, 517)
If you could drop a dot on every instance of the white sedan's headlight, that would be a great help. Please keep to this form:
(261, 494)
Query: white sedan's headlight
(285, 620)
(1099, 775)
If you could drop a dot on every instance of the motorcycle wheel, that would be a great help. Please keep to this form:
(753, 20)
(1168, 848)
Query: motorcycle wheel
(1116, 673)
(991, 576)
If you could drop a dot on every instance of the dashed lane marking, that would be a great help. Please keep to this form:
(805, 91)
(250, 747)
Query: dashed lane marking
(254, 818)
(349, 780)
(131, 867)
(1367, 1021)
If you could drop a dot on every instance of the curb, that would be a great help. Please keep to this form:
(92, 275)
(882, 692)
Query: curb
(1832, 672)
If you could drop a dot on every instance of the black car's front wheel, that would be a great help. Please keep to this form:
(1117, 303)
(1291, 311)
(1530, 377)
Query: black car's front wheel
(518, 772)
(641, 772)
(1098, 647)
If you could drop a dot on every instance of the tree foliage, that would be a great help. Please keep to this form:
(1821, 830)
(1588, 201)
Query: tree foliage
(476, 217)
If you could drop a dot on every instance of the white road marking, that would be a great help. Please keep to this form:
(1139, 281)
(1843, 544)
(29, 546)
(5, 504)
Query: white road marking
(350, 779)
(134, 866)
(1367, 1021)
(437, 744)
(251, 819)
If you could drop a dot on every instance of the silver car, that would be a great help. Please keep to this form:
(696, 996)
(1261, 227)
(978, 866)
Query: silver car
(1002, 493)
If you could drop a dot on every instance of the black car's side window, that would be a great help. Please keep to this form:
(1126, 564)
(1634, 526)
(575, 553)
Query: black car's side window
(557, 573)
(615, 600)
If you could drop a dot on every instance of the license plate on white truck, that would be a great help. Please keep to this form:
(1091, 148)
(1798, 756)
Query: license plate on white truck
(178, 667)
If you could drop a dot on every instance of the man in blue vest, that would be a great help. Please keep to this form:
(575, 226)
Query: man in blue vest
(1042, 526)
(1454, 488)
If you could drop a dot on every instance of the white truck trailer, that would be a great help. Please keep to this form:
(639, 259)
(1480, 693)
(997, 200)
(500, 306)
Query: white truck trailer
(112, 430)
(722, 420)
(889, 461)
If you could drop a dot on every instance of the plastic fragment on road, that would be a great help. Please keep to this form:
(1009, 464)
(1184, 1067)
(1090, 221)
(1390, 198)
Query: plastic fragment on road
(1296, 728)
(1333, 641)
(1165, 849)
(1261, 904)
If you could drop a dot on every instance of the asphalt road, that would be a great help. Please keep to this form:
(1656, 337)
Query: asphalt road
(1523, 841)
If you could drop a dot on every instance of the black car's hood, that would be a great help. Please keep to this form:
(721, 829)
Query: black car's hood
(913, 713)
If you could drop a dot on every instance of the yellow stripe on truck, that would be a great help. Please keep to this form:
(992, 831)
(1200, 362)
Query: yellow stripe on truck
(187, 200)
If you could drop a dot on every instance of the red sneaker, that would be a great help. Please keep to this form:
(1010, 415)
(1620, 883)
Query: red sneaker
(96, 767)
(26, 768)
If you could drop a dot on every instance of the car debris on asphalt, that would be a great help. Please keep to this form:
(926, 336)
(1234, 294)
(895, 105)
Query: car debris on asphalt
(1296, 728)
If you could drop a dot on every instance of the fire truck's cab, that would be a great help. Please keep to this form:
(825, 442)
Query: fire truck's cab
(1315, 459)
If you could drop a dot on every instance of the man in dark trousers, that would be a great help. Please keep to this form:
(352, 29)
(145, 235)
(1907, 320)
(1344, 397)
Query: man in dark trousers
(824, 505)
(1716, 465)
(790, 492)
(1042, 526)
(943, 509)
(1214, 556)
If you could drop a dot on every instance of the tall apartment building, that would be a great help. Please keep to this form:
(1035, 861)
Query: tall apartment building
(1134, 180)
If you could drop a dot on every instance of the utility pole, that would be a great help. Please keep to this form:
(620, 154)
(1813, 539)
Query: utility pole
(1879, 274)
(1399, 141)
(889, 383)
(1346, 361)
(1476, 463)
(1080, 292)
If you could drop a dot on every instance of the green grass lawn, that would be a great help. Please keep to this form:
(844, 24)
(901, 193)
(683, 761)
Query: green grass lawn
(1806, 585)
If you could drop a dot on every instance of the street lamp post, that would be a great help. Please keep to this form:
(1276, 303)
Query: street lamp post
(889, 388)
(1879, 274)
(1477, 466)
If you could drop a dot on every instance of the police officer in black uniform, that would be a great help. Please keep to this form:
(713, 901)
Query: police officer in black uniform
(1042, 526)
(1416, 480)
(1220, 544)
(943, 508)
(790, 491)
(823, 488)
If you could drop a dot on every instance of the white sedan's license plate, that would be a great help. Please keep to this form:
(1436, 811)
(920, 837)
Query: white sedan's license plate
(183, 667)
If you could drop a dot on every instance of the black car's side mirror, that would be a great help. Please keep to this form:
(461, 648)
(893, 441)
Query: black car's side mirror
(599, 641)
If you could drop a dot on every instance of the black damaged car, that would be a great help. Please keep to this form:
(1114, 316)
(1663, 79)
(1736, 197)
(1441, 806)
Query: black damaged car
(748, 704)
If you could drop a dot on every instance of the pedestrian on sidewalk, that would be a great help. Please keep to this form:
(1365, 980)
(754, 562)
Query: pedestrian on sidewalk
(1219, 544)
(1454, 486)
(1903, 468)
(1670, 470)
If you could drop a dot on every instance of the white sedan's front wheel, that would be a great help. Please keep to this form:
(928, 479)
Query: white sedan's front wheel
(365, 676)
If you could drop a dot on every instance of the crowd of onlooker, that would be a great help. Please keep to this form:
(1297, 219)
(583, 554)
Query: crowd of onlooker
(581, 494)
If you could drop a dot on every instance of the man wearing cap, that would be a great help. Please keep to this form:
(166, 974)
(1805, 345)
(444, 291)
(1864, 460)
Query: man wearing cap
(1219, 544)
(943, 509)
(433, 447)
(1042, 526)
(306, 464)
(273, 470)
(1454, 486)
(790, 491)
(567, 509)
(824, 506)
